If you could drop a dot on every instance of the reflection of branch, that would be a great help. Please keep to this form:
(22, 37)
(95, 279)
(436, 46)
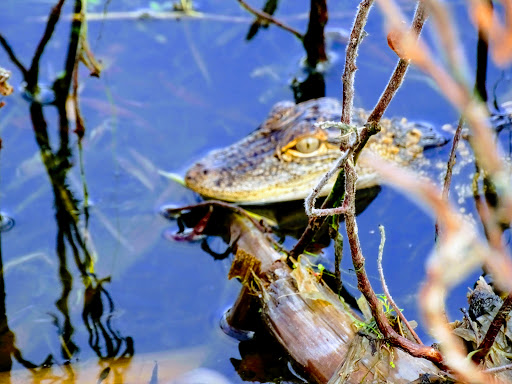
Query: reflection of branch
(7, 337)
(173, 212)
(482, 53)
(61, 85)
(314, 39)
(12, 56)
(33, 72)
(270, 19)
(92, 315)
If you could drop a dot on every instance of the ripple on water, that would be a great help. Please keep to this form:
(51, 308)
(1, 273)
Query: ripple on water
(6, 222)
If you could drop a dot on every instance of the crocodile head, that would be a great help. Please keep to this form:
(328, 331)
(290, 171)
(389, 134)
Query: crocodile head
(284, 157)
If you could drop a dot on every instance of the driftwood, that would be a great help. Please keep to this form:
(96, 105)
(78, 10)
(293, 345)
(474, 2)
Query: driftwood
(306, 317)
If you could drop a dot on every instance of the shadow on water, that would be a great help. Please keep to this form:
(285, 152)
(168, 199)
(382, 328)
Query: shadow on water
(72, 221)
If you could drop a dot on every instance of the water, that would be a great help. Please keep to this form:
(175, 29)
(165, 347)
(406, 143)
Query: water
(170, 92)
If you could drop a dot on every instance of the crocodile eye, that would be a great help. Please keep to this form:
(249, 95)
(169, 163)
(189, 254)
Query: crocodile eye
(308, 145)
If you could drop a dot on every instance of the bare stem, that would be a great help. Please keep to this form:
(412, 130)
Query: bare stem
(497, 323)
(386, 289)
(451, 160)
(364, 285)
(309, 202)
(370, 129)
(503, 368)
(356, 36)
(396, 79)
(450, 165)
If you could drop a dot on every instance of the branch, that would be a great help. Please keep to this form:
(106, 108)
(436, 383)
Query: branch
(499, 320)
(459, 251)
(450, 164)
(420, 16)
(270, 19)
(314, 223)
(364, 285)
(386, 289)
(394, 83)
(309, 202)
(370, 129)
(356, 36)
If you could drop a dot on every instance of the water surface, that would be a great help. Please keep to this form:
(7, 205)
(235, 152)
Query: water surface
(170, 92)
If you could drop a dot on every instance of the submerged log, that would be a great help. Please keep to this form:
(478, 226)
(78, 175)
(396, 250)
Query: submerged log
(308, 319)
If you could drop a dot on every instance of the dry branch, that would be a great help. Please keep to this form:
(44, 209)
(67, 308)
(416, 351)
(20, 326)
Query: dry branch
(386, 289)
(349, 72)
(498, 322)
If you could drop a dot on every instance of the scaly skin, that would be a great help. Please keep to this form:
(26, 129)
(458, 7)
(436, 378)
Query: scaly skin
(287, 155)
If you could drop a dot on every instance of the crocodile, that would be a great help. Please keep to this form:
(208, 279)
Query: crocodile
(284, 158)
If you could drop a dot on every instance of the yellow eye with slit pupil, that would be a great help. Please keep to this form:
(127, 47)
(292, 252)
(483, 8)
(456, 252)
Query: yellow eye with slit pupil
(307, 145)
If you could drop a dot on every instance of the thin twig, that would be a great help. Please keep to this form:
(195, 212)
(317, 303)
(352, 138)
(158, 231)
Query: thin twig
(311, 199)
(364, 285)
(338, 255)
(503, 368)
(349, 72)
(471, 324)
(451, 160)
(450, 165)
(394, 83)
(396, 79)
(267, 17)
(309, 202)
(386, 289)
(499, 320)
